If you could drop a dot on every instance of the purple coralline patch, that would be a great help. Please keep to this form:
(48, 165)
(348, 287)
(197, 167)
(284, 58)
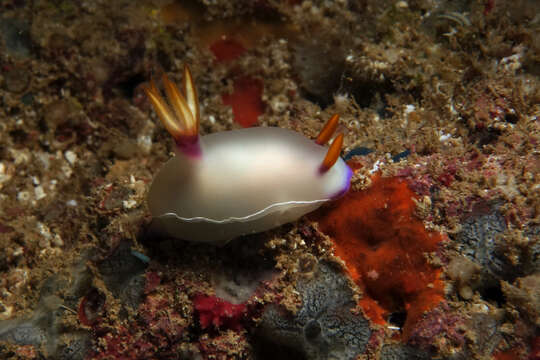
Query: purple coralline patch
(324, 327)
(216, 313)
(440, 322)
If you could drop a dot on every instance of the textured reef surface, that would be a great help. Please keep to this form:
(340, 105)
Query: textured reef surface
(324, 327)
(432, 254)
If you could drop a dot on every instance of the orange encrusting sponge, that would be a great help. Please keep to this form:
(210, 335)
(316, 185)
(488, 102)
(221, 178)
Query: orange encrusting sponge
(384, 247)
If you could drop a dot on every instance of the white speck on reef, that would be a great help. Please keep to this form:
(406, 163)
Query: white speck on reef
(71, 157)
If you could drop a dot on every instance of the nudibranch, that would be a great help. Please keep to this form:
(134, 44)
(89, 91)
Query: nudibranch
(232, 183)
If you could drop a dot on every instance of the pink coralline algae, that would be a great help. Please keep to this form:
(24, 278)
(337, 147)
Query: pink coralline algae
(157, 332)
(216, 312)
(440, 322)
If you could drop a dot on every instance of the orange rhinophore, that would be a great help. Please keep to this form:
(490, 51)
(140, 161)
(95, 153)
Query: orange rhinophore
(333, 154)
(328, 130)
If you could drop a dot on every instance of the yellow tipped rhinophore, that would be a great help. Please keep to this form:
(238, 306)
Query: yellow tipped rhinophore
(183, 120)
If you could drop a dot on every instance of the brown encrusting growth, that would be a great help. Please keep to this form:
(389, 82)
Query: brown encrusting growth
(439, 107)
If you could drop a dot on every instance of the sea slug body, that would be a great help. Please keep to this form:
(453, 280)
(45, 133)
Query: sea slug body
(227, 184)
